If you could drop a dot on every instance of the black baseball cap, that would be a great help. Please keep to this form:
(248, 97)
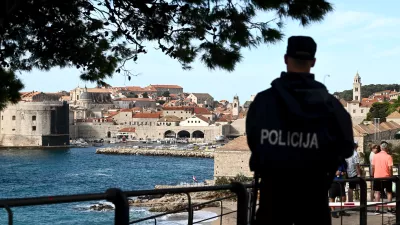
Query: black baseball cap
(301, 47)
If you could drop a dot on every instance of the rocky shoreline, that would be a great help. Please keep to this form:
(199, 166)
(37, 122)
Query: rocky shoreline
(156, 152)
(165, 203)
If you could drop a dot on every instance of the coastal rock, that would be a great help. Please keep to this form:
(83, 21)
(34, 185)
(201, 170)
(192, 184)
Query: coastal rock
(156, 152)
(181, 205)
(101, 207)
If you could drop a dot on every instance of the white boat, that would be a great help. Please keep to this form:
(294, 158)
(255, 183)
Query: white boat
(113, 142)
(173, 147)
(220, 138)
(79, 143)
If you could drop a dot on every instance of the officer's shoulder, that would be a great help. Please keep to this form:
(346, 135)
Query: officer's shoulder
(267, 93)
(339, 108)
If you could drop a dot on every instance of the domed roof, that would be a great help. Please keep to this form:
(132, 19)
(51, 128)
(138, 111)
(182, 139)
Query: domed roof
(85, 96)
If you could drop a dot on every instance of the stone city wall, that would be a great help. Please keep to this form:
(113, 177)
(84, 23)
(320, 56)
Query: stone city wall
(231, 163)
(25, 123)
(97, 131)
(20, 140)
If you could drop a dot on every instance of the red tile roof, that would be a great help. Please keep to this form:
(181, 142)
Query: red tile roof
(181, 108)
(136, 99)
(222, 119)
(203, 118)
(125, 110)
(237, 144)
(366, 102)
(156, 115)
(128, 130)
(195, 110)
(29, 94)
(135, 89)
(203, 111)
(165, 86)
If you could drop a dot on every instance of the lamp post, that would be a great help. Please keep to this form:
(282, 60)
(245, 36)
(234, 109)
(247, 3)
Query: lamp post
(326, 75)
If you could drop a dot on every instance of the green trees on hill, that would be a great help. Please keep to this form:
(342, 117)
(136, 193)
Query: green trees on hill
(378, 110)
(367, 90)
(382, 110)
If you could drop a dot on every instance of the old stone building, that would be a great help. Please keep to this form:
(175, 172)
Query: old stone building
(196, 120)
(184, 112)
(395, 117)
(232, 159)
(127, 103)
(171, 88)
(357, 108)
(169, 120)
(366, 134)
(90, 102)
(201, 98)
(35, 124)
(146, 119)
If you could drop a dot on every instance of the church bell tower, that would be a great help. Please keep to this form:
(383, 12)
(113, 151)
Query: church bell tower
(357, 88)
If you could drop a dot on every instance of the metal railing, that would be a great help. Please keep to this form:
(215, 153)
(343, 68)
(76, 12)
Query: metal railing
(120, 200)
(242, 193)
(363, 208)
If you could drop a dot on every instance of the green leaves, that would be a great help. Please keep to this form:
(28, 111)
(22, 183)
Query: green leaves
(100, 36)
(10, 86)
(378, 110)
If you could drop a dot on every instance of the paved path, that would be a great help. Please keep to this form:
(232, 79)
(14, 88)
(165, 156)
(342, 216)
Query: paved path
(354, 219)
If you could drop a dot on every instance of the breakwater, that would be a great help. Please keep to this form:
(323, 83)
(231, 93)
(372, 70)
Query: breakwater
(156, 152)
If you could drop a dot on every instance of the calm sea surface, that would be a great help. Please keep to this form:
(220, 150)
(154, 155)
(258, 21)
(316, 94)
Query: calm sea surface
(31, 173)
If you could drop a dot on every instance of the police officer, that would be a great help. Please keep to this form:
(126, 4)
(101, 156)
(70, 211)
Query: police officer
(298, 133)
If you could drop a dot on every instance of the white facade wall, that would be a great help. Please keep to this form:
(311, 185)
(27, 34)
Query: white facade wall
(193, 122)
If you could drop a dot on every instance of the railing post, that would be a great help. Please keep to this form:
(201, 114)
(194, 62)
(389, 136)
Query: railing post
(190, 209)
(10, 214)
(397, 180)
(241, 193)
(118, 198)
(363, 201)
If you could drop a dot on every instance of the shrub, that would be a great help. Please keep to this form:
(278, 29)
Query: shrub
(396, 154)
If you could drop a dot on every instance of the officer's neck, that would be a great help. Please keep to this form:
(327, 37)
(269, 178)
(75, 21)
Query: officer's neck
(297, 70)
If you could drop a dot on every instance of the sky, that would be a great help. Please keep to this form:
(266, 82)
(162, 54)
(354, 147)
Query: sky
(359, 36)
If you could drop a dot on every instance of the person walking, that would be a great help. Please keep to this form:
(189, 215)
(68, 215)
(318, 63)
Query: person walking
(382, 167)
(338, 190)
(375, 149)
(353, 171)
(296, 130)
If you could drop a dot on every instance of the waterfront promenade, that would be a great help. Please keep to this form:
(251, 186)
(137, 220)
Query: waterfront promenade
(156, 152)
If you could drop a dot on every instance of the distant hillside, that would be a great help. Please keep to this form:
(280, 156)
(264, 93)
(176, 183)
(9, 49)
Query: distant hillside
(367, 90)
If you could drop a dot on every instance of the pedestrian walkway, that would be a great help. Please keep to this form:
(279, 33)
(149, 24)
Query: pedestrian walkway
(354, 219)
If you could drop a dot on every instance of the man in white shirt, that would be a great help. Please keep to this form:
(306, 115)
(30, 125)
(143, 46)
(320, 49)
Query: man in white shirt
(353, 171)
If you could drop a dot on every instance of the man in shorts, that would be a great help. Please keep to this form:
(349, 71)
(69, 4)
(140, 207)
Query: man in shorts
(353, 171)
(382, 167)
(337, 189)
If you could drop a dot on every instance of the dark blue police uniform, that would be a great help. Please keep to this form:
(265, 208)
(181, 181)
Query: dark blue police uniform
(298, 133)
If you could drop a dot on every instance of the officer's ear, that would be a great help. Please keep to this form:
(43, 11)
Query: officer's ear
(286, 59)
(313, 62)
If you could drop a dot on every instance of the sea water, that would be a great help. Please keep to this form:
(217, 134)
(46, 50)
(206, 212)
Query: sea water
(49, 172)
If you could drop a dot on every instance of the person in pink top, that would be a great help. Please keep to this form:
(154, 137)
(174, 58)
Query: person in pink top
(382, 166)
